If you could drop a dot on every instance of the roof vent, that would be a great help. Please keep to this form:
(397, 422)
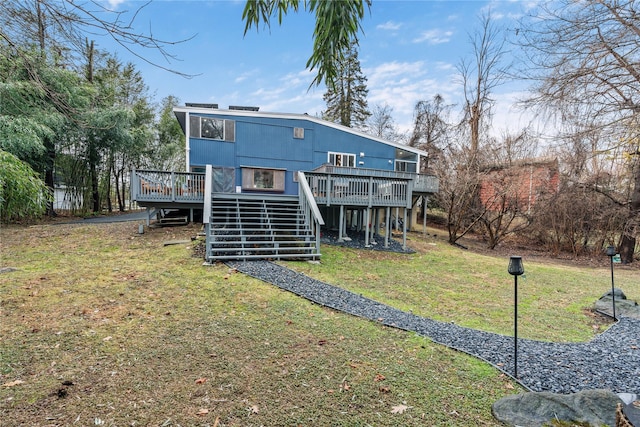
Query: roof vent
(200, 105)
(243, 108)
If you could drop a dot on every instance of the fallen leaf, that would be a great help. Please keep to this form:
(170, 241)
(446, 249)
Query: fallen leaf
(384, 389)
(509, 386)
(203, 411)
(201, 380)
(254, 409)
(322, 342)
(399, 409)
(13, 383)
(216, 422)
(107, 339)
(379, 377)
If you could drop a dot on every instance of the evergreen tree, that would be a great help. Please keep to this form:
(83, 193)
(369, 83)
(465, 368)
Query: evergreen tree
(346, 96)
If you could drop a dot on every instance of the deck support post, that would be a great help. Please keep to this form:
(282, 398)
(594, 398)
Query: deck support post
(387, 227)
(404, 231)
(341, 224)
(366, 228)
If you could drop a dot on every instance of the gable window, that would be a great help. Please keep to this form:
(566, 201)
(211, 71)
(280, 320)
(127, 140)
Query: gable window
(346, 160)
(212, 128)
(262, 179)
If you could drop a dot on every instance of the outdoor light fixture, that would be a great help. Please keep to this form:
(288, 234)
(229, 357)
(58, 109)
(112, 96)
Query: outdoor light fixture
(516, 268)
(611, 252)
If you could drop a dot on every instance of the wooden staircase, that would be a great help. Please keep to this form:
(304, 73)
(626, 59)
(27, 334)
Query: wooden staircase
(259, 226)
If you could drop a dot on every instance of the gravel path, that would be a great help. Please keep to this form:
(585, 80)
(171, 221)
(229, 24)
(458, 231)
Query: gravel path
(610, 361)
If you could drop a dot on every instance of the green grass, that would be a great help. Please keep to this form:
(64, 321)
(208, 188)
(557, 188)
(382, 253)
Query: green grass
(474, 290)
(102, 323)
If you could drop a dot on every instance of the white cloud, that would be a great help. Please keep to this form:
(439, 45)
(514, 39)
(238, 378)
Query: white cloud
(113, 4)
(401, 85)
(389, 26)
(433, 37)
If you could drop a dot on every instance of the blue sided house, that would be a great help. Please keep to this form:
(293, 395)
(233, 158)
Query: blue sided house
(268, 183)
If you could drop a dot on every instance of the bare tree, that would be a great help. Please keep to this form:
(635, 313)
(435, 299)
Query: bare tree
(479, 77)
(584, 58)
(431, 129)
(381, 123)
(460, 169)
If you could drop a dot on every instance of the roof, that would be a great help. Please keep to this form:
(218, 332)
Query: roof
(180, 113)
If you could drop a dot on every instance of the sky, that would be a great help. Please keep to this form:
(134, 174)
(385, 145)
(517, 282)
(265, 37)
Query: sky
(409, 51)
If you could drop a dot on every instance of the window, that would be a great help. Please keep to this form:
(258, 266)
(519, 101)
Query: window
(405, 166)
(211, 128)
(341, 159)
(298, 133)
(259, 179)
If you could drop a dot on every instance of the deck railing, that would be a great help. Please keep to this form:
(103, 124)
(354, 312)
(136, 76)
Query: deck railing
(329, 189)
(161, 186)
(307, 202)
(421, 183)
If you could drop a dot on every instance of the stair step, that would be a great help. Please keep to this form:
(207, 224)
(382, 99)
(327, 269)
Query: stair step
(248, 226)
(264, 256)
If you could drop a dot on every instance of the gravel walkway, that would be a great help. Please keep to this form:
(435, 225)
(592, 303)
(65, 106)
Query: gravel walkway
(610, 361)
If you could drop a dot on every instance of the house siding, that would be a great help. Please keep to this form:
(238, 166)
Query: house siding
(269, 142)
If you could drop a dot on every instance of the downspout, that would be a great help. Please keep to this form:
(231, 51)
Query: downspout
(187, 146)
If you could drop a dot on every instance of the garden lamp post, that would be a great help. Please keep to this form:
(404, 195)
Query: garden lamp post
(611, 252)
(516, 268)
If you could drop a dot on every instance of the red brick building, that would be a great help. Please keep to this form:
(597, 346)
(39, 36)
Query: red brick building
(519, 185)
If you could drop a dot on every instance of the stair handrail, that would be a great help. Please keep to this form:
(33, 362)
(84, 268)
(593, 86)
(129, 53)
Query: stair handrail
(208, 184)
(306, 197)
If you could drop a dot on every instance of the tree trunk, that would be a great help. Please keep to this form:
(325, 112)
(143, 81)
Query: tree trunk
(628, 241)
(49, 174)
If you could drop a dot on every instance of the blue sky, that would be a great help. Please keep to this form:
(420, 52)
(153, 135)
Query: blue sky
(408, 52)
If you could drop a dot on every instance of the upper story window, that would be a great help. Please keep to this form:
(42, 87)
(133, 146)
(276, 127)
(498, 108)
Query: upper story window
(298, 133)
(346, 160)
(212, 128)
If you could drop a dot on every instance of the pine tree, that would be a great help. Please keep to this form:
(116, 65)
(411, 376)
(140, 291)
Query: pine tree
(346, 96)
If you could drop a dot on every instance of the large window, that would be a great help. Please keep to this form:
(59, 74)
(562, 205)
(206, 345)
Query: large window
(212, 128)
(341, 159)
(259, 179)
(406, 161)
(405, 166)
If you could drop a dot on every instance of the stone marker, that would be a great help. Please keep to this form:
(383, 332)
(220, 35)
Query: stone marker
(624, 306)
(596, 407)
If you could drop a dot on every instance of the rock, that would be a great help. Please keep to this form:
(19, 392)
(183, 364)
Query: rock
(596, 407)
(624, 306)
(617, 292)
(7, 269)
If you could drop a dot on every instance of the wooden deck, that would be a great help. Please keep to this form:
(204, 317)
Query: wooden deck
(329, 185)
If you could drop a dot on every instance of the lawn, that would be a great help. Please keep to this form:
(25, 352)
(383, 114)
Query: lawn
(102, 326)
